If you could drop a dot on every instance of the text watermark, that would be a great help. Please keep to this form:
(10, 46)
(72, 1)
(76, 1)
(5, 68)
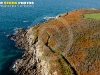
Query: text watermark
(16, 4)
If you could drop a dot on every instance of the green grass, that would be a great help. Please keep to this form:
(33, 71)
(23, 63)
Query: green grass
(95, 15)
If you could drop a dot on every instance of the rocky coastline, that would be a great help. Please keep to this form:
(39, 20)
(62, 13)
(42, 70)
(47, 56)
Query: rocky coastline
(31, 62)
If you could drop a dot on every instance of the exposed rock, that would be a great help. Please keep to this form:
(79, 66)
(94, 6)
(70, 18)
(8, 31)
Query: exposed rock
(11, 36)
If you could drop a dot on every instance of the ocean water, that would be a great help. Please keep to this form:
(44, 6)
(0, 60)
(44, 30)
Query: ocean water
(22, 17)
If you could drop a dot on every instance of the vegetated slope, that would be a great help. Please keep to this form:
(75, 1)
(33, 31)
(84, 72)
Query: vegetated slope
(85, 51)
(67, 45)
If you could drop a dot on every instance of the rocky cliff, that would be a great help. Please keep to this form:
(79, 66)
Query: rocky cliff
(66, 45)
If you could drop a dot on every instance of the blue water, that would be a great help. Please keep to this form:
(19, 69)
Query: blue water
(11, 18)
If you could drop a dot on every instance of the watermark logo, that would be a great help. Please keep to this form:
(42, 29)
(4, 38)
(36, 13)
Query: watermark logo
(16, 4)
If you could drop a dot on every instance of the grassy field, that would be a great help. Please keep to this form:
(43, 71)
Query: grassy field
(95, 15)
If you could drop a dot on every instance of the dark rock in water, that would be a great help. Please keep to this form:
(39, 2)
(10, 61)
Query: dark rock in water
(18, 32)
(11, 36)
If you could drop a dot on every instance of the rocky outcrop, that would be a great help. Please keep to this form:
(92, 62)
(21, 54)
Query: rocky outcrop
(66, 45)
(32, 62)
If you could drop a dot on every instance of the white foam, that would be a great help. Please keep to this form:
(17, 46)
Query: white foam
(48, 18)
(25, 21)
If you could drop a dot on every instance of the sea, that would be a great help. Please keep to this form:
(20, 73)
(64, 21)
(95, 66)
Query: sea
(24, 17)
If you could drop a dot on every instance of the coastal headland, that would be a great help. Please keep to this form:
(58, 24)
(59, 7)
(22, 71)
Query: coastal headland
(69, 44)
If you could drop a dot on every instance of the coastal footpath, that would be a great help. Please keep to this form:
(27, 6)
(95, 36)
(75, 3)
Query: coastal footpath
(69, 44)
